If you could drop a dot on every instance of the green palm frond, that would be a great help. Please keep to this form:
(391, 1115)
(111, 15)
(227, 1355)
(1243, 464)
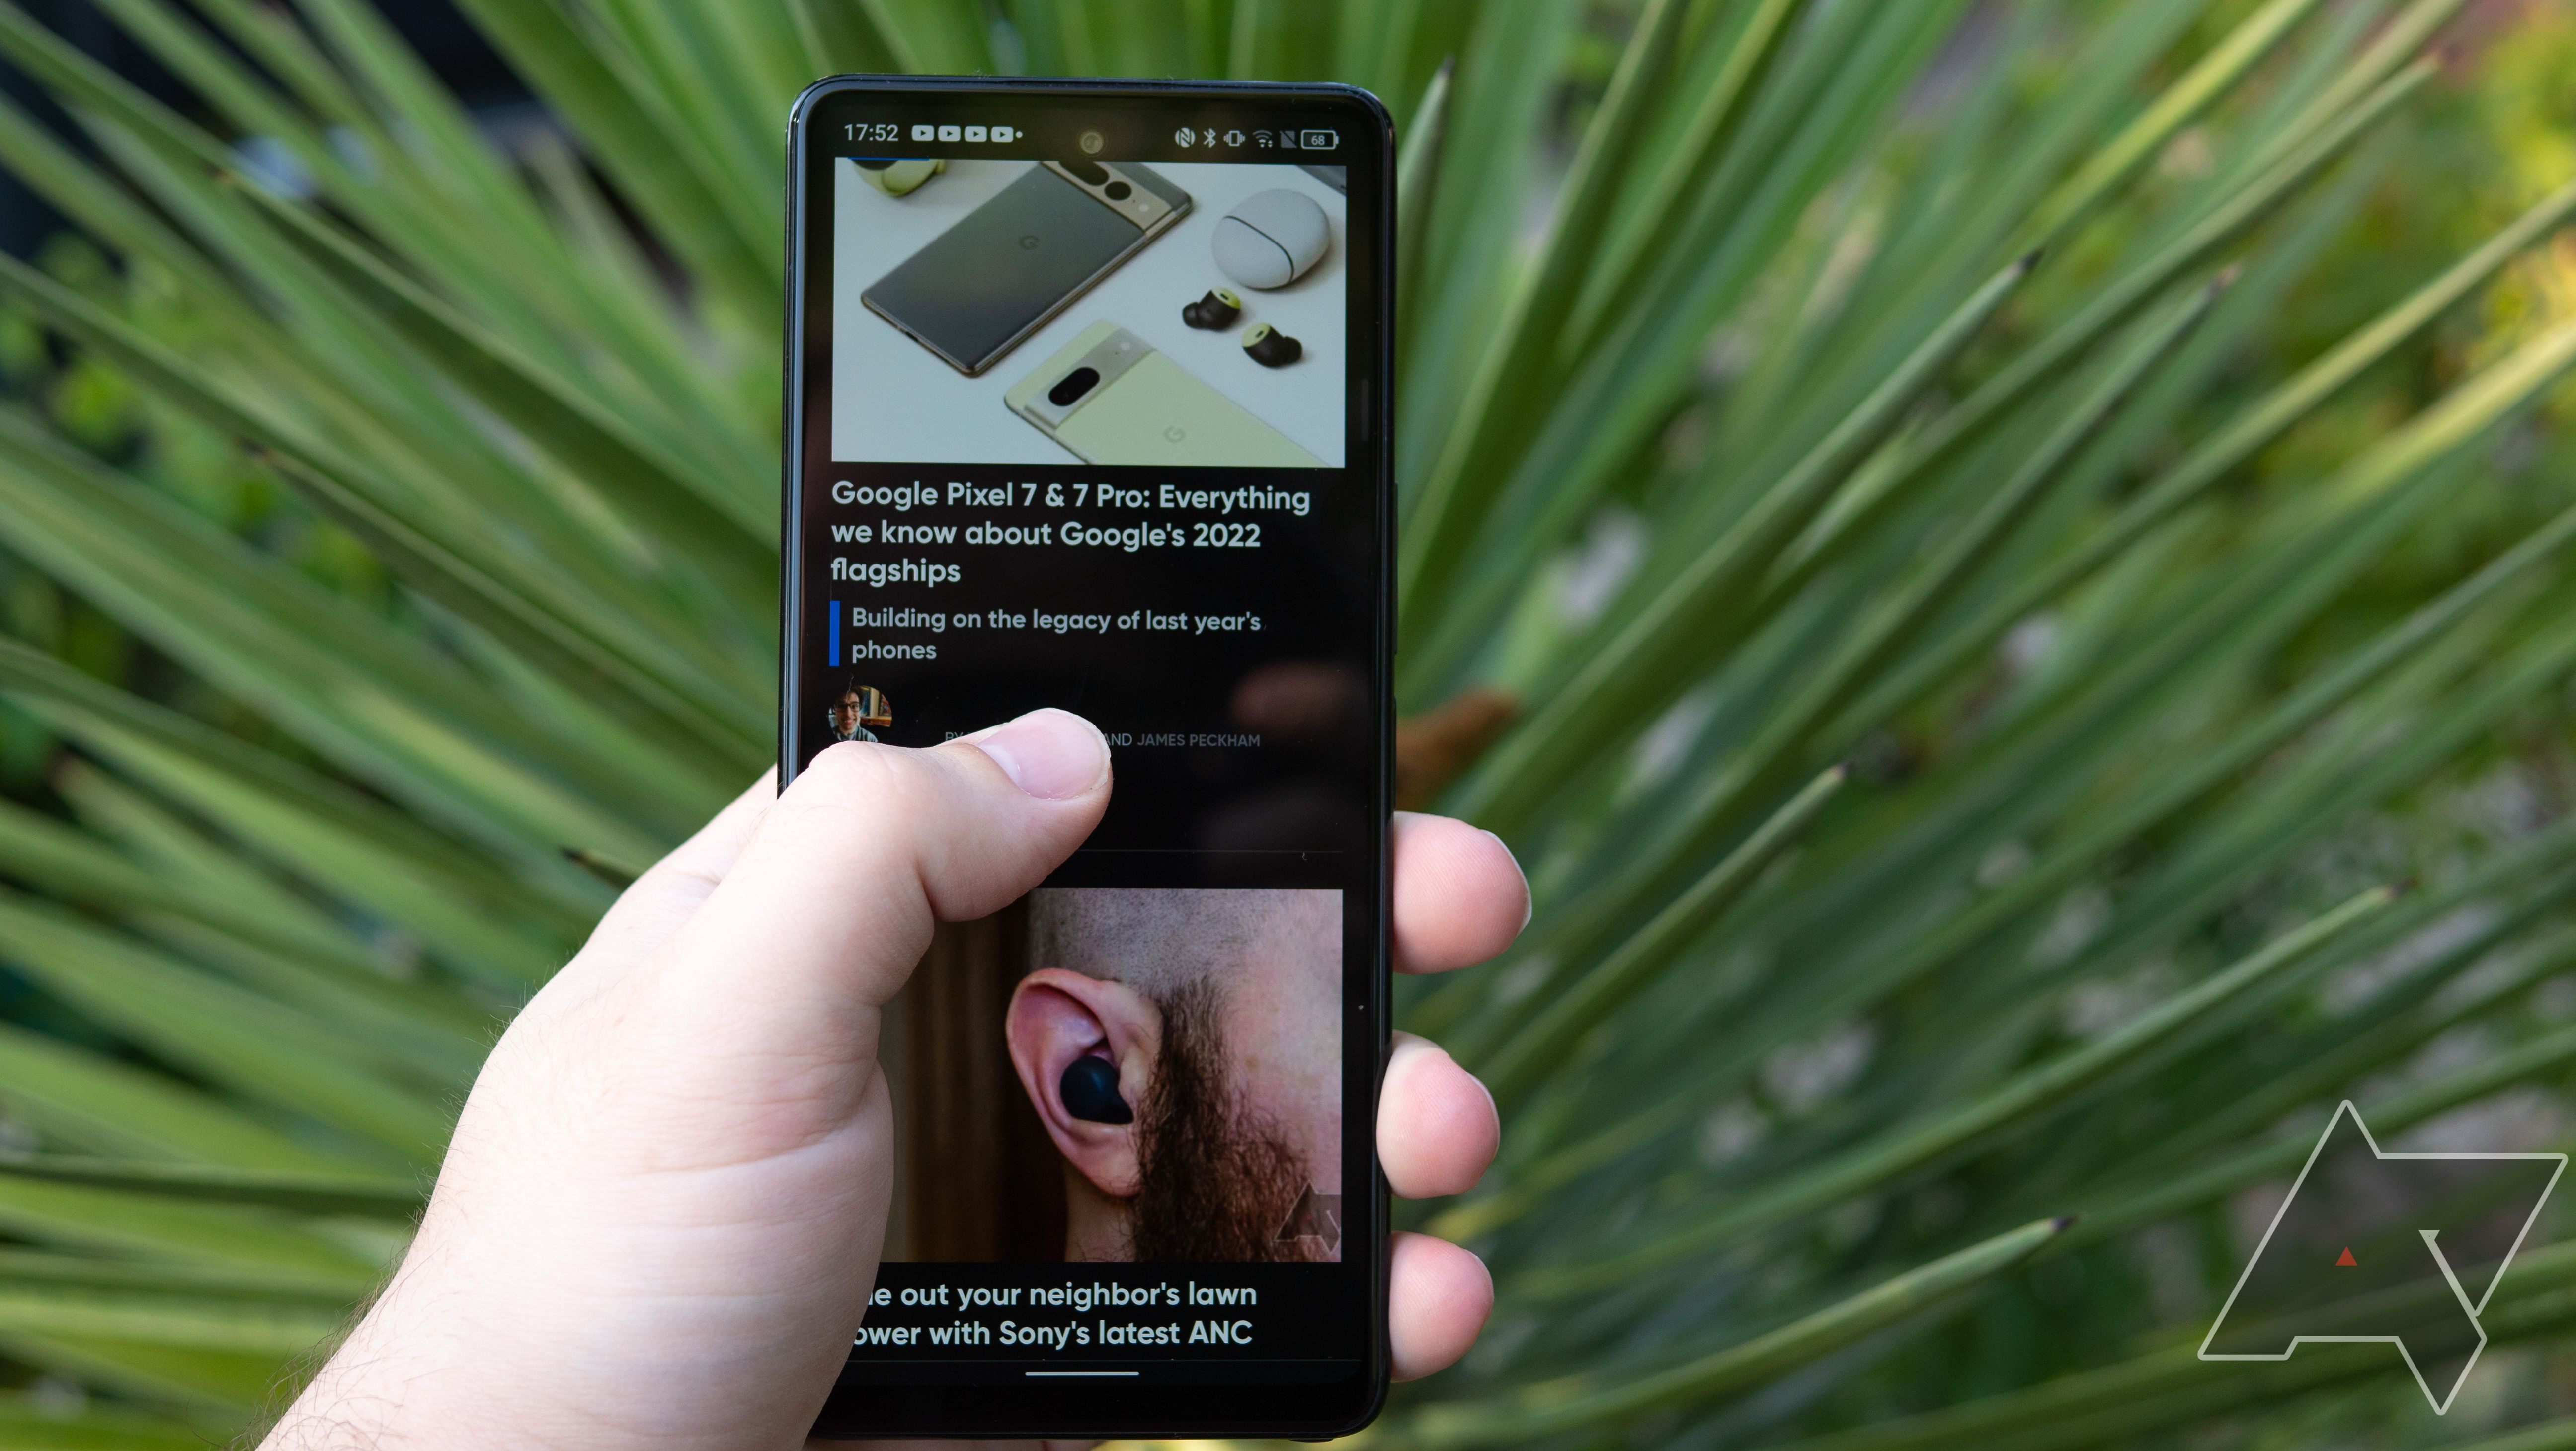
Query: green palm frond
(1979, 687)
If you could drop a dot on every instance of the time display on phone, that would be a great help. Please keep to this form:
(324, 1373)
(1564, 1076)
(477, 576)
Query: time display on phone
(872, 131)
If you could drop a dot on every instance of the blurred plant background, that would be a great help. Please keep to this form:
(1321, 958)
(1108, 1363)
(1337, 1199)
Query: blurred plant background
(1973, 546)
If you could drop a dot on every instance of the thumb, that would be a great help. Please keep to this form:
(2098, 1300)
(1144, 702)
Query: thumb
(832, 900)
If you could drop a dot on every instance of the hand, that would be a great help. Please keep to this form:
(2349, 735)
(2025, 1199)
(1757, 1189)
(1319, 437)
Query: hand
(662, 1209)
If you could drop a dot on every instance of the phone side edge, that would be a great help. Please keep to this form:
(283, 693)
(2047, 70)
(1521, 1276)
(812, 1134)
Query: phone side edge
(1377, 413)
(791, 408)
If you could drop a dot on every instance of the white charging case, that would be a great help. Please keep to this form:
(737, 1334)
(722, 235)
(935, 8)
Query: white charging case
(1271, 240)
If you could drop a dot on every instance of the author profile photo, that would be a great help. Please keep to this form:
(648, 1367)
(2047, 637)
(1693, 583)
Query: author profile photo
(856, 709)
(1182, 1048)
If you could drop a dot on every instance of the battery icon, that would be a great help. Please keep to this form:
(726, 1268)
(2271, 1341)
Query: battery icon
(1320, 140)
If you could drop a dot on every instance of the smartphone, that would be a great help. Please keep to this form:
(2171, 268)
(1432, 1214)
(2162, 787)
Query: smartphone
(977, 289)
(1137, 1190)
(1110, 398)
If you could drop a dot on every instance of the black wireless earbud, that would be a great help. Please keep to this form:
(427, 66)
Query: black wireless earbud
(1215, 312)
(1270, 347)
(1090, 1091)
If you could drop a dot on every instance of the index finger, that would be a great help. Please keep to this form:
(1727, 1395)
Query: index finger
(671, 890)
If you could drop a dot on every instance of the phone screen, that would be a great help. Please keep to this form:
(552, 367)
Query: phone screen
(1084, 397)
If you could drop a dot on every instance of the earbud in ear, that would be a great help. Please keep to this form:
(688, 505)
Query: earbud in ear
(1213, 313)
(1270, 347)
(1090, 1091)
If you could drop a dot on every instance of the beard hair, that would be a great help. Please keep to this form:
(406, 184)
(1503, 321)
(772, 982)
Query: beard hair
(1216, 1179)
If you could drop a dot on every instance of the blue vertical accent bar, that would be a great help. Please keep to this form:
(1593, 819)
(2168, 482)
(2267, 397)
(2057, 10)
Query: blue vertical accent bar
(836, 633)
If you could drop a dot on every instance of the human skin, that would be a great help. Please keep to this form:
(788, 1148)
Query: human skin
(660, 1215)
(1278, 1033)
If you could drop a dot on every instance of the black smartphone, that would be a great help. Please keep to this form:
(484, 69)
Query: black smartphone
(1086, 407)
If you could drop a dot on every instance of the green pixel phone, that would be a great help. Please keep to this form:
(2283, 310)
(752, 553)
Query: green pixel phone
(1112, 399)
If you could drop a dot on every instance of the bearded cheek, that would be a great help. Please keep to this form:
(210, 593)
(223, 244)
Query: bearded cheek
(1221, 1152)
(1324, 1156)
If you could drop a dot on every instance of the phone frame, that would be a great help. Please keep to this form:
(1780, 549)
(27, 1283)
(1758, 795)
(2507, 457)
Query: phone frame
(1092, 1409)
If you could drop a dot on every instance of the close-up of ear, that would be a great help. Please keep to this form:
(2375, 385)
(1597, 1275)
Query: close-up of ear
(1084, 1050)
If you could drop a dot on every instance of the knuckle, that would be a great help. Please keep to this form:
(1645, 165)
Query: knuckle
(847, 765)
(859, 776)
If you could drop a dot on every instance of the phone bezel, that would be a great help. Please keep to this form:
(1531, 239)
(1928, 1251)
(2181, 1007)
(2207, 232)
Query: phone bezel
(1060, 1409)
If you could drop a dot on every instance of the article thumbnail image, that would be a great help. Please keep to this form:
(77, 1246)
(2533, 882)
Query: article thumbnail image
(1116, 1074)
(1182, 1048)
(1101, 312)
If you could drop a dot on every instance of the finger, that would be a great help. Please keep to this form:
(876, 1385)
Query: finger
(709, 852)
(1437, 1298)
(671, 890)
(830, 903)
(1437, 1129)
(1459, 896)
